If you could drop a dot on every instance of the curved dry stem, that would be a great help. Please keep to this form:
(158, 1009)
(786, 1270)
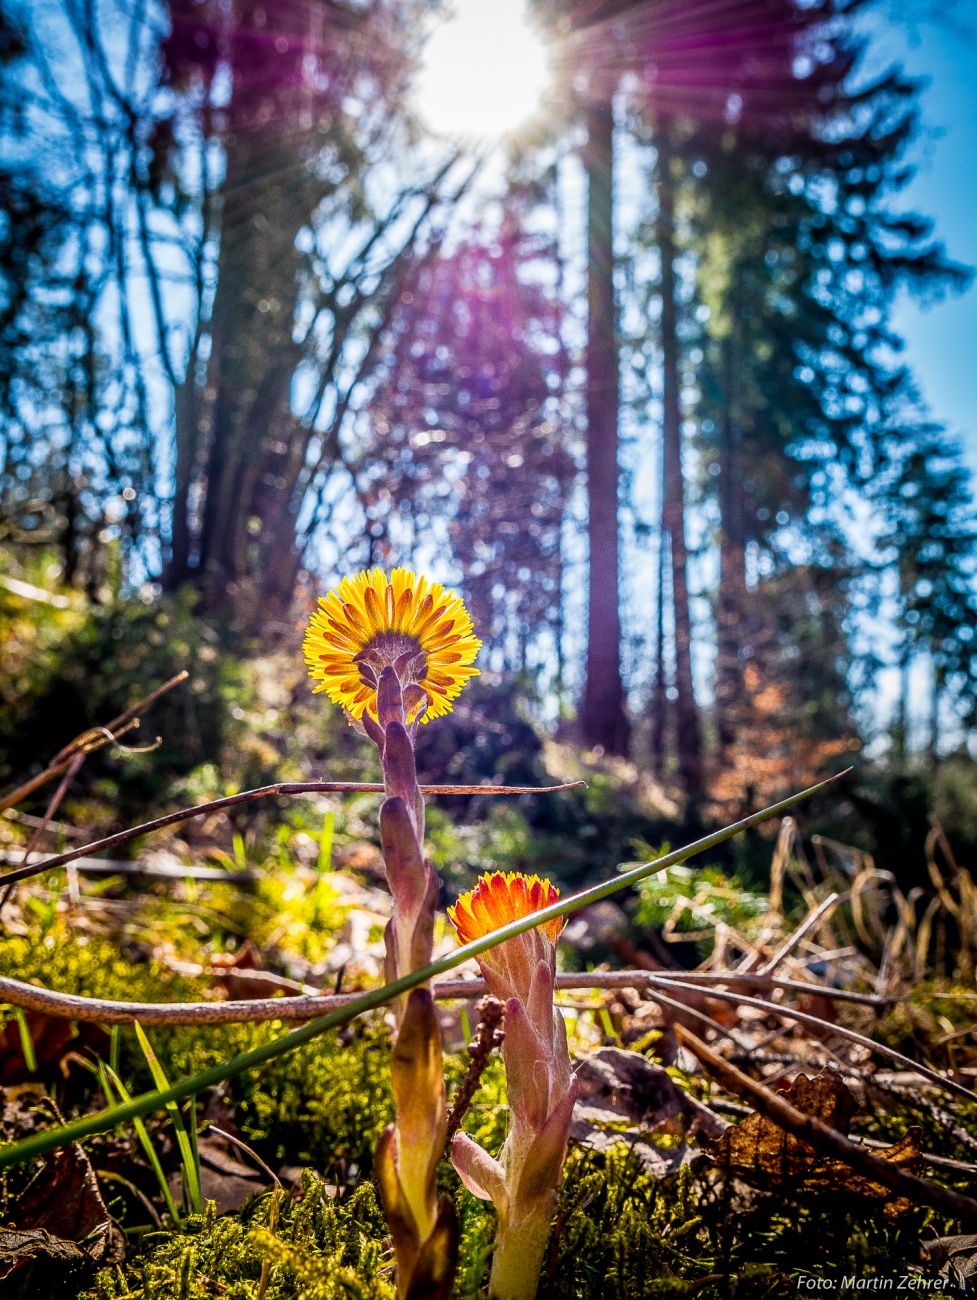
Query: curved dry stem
(282, 788)
(87, 741)
(100, 1011)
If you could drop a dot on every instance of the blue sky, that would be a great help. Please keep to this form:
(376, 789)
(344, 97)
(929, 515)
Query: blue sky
(941, 339)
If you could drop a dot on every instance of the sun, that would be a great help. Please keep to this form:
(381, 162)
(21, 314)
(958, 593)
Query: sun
(484, 71)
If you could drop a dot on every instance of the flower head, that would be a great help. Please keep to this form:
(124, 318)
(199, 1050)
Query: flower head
(372, 621)
(498, 899)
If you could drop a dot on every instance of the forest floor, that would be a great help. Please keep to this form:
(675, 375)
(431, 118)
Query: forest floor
(776, 1080)
(278, 1201)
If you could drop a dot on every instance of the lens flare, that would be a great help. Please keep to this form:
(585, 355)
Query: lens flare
(484, 71)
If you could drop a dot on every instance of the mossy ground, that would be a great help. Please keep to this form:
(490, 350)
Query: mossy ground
(619, 1233)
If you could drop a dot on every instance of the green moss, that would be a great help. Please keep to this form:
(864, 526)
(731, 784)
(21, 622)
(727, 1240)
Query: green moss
(313, 1249)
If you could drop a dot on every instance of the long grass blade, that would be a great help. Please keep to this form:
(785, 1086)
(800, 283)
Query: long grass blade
(109, 1096)
(188, 1152)
(52, 1139)
(26, 1042)
(146, 1142)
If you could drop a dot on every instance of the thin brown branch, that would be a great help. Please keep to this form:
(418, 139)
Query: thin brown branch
(286, 788)
(815, 1022)
(825, 1139)
(70, 773)
(759, 981)
(303, 1007)
(25, 819)
(87, 741)
(938, 1162)
(146, 870)
(54, 803)
(684, 1009)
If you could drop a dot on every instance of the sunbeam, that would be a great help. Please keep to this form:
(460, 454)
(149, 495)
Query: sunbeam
(484, 71)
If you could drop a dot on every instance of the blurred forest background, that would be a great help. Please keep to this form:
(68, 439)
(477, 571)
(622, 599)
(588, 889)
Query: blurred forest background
(626, 378)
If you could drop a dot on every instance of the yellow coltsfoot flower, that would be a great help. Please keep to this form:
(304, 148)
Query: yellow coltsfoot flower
(406, 622)
(499, 898)
(393, 651)
(522, 1182)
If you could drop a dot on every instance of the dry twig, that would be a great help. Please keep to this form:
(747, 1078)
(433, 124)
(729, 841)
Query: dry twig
(303, 1007)
(815, 1022)
(826, 1139)
(245, 796)
(70, 773)
(806, 926)
(88, 741)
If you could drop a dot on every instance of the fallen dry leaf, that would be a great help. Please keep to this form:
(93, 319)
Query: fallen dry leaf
(65, 1200)
(956, 1255)
(224, 1179)
(760, 1153)
(33, 1263)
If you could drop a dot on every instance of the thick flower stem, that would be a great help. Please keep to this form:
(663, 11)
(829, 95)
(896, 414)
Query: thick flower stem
(522, 1183)
(519, 1253)
(424, 1234)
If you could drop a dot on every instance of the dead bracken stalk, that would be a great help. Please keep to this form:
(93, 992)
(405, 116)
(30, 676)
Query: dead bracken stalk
(824, 1138)
(805, 928)
(283, 788)
(489, 1034)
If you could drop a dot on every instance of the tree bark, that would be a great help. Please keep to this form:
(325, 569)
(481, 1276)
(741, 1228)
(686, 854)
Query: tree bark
(731, 602)
(604, 719)
(658, 733)
(900, 739)
(688, 741)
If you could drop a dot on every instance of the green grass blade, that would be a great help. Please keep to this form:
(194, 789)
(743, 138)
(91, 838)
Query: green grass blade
(188, 1153)
(109, 1097)
(146, 1143)
(240, 852)
(26, 1042)
(40, 1143)
(194, 1150)
(325, 842)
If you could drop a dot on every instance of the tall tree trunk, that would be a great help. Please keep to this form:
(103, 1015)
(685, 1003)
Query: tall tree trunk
(604, 719)
(732, 600)
(185, 420)
(688, 741)
(253, 357)
(934, 736)
(901, 730)
(659, 696)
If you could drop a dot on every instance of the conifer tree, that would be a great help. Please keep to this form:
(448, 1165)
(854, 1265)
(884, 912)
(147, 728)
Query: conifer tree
(799, 256)
(929, 544)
